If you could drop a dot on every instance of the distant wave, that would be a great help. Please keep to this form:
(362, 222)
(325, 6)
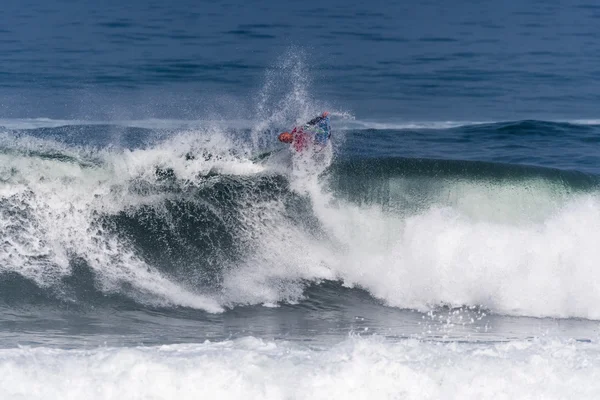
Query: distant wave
(345, 122)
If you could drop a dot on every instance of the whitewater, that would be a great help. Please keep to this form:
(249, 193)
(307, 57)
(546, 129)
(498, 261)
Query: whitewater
(414, 234)
(355, 368)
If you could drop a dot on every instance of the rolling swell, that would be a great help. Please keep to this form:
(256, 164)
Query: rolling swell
(407, 186)
(457, 169)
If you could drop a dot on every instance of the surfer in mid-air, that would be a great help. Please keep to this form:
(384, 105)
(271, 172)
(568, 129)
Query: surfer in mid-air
(315, 133)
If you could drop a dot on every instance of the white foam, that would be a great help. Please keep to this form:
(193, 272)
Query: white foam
(490, 246)
(49, 207)
(356, 368)
(583, 121)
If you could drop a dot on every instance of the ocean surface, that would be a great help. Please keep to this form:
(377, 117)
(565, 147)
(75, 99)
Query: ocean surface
(157, 242)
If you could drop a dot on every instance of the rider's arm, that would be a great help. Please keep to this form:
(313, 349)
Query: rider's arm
(318, 119)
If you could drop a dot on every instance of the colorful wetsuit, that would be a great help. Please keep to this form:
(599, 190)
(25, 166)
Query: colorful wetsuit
(317, 131)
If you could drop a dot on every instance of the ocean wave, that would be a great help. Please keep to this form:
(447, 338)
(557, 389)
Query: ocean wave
(343, 121)
(193, 221)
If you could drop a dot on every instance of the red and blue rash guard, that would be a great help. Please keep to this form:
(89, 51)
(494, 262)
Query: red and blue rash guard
(317, 131)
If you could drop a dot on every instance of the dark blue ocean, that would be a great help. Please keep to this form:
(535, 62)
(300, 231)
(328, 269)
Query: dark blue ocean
(158, 242)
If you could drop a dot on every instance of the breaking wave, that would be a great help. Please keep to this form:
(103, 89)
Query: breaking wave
(194, 219)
